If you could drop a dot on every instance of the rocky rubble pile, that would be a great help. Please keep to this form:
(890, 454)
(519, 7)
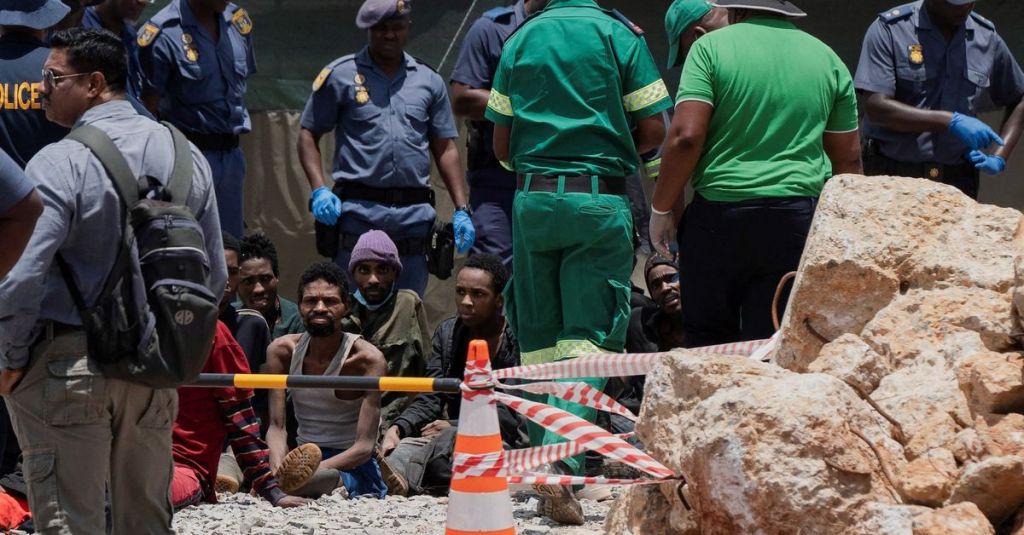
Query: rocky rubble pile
(893, 405)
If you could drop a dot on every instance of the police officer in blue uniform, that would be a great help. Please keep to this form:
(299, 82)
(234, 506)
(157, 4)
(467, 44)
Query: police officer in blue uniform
(196, 56)
(118, 17)
(926, 69)
(23, 125)
(390, 114)
(492, 187)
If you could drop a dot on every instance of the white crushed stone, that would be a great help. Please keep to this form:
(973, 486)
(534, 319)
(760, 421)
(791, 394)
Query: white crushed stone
(242, 514)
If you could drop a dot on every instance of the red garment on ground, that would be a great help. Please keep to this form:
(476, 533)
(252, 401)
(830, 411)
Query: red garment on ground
(185, 488)
(199, 433)
(13, 511)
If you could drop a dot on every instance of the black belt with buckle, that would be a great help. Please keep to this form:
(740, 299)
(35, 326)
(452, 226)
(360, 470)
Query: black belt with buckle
(406, 247)
(573, 184)
(933, 170)
(389, 196)
(206, 141)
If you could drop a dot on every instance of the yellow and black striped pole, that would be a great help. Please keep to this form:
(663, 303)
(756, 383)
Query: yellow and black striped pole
(335, 382)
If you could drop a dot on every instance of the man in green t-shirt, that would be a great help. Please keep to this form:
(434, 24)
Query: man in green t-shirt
(764, 115)
(569, 84)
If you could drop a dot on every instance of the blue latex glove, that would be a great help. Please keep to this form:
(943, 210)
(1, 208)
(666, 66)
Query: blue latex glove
(992, 165)
(326, 206)
(465, 234)
(974, 133)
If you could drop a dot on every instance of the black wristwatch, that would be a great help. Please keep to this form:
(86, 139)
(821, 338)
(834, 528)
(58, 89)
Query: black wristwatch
(464, 208)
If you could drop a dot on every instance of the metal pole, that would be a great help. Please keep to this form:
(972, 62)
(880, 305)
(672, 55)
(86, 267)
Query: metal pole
(334, 382)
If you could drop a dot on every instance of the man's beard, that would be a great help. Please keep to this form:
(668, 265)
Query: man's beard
(319, 330)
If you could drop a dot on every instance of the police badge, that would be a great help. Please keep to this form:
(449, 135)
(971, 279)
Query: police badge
(147, 34)
(241, 21)
(916, 54)
(362, 96)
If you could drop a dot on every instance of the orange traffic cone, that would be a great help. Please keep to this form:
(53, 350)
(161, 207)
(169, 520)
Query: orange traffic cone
(478, 504)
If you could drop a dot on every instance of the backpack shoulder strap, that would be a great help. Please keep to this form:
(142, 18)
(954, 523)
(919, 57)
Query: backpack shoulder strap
(111, 158)
(180, 182)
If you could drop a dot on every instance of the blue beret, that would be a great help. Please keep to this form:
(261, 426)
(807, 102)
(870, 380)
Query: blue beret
(374, 12)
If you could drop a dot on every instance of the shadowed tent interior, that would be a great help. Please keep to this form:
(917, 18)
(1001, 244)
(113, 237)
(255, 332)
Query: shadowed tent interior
(296, 38)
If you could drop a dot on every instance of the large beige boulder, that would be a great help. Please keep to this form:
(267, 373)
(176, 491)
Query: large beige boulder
(960, 519)
(993, 382)
(928, 404)
(763, 449)
(928, 480)
(853, 362)
(941, 326)
(995, 485)
(644, 510)
(874, 238)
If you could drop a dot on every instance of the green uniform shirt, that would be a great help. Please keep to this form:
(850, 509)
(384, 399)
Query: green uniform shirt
(775, 90)
(567, 84)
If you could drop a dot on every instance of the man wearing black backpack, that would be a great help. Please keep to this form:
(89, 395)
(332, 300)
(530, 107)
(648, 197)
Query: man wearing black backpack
(78, 413)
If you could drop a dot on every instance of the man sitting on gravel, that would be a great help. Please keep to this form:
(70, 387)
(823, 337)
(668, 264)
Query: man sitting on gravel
(422, 438)
(340, 427)
(209, 416)
(392, 320)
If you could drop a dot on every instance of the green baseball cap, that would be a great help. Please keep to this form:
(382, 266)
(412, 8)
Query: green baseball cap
(681, 15)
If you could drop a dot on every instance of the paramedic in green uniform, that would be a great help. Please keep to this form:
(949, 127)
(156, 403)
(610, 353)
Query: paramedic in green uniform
(569, 83)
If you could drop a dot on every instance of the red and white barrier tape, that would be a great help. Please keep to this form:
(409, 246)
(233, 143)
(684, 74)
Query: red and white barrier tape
(549, 479)
(591, 437)
(580, 393)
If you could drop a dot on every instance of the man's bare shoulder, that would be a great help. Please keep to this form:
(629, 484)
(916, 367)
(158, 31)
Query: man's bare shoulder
(282, 348)
(369, 360)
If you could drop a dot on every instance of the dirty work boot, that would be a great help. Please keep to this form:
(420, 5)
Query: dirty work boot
(396, 482)
(229, 475)
(558, 502)
(322, 482)
(297, 467)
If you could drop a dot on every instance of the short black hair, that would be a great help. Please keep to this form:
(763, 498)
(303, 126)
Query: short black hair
(257, 245)
(491, 264)
(328, 272)
(91, 49)
(230, 242)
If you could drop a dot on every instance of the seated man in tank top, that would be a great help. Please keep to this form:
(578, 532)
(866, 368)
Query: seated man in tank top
(340, 426)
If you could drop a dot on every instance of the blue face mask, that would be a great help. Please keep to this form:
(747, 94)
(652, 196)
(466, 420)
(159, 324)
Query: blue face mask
(372, 307)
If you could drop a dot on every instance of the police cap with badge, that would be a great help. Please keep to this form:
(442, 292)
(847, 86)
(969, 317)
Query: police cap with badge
(373, 12)
(780, 7)
(35, 14)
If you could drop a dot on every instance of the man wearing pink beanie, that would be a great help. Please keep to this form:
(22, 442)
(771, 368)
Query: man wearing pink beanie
(392, 320)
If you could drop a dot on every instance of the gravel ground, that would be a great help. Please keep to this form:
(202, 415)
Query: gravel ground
(241, 514)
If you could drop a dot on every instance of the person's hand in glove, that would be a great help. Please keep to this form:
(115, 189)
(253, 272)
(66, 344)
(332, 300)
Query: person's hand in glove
(326, 206)
(663, 232)
(973, 132)
(465, 234)
(990, 164)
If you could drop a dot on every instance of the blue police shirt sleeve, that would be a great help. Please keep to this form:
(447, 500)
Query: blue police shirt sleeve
(157, 61)
(324, 105)
(875, 70)
(14, 183)
(473, 66)
(442, 123)
(1007, 82)
(250, 54)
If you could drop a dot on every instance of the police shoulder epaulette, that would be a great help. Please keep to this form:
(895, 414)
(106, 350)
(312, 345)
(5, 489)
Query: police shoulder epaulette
(982, 20)
(629, 24)
(499, 12)
(897, 13)
(326, 71)
(425, 64)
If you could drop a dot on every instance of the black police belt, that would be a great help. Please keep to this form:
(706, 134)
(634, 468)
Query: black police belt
(933, 170)
(606, 185)
(406, 247)
(212, 142)
(390, 196)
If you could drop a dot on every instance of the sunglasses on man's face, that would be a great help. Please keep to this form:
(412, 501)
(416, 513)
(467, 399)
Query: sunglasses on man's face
(51, 80)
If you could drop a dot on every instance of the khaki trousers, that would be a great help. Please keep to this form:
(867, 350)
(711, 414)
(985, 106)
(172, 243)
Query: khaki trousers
(80, 431)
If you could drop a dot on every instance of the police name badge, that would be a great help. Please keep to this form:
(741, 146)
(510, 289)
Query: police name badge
(147, 34)
(191, 52)
(916, 54)
(362, 96)
(241, 21)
